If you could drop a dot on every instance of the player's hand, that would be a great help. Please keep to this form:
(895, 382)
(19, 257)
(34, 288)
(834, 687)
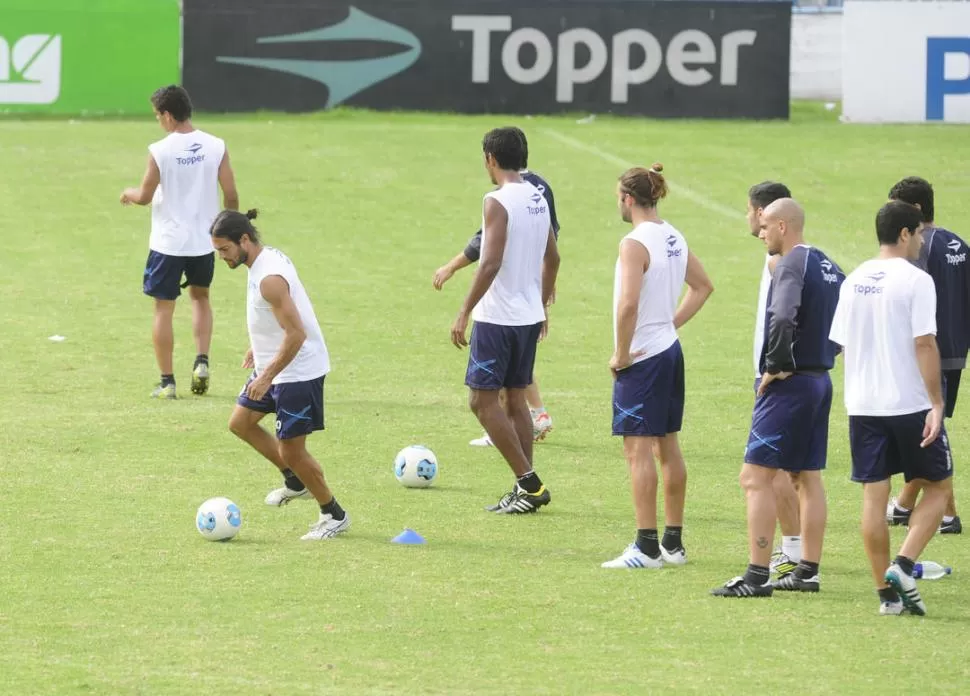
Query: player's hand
(124, 198)
(248, 361)
(442, 276)
(767, 379)
(621, 362)
(258, 387)
(544, 329)
(933, 426)
(458, 330)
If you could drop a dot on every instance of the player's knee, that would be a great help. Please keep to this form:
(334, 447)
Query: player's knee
(238, 425)
(753, 477)
(198, 294)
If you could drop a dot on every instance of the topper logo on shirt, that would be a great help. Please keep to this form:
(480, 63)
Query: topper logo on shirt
(671, 243)
(955, 259)
(827, 274)
(538, 208)
(194, 157)
(863, 289)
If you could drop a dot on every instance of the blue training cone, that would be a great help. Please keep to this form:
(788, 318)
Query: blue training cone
(408, 536)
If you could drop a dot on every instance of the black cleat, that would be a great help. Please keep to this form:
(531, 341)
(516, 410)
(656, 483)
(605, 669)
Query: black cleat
(737, 587)
(952, 527)
(790, 583)
(518, 501)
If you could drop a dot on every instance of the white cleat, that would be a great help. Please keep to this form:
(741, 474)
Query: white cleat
(892, 608)
(890, 507)
(483, 441)
(327, 528)
(281, 496)
(905, 586)
(541, 426)
(633, 557)
(677, 557)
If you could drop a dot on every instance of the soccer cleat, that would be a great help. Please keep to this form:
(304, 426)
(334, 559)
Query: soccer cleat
(327, 528)
(892, 608)
(483, 441)
(281, 496)
(200, 379)
(518, 501)
(951, 527)
(166, 392)
(633, 557)
(737, 587)
(790, 583)
(676, 557)
(541, 426)
(896, 516)
(905, 586)
(781, 564)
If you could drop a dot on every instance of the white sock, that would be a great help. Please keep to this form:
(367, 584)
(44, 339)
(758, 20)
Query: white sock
(791, 546)
(947, 519)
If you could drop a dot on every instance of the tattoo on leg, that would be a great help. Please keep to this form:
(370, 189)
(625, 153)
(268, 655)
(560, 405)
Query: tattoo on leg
(762, 542)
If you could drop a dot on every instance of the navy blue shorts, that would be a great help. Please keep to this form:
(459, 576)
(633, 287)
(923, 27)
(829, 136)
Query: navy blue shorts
(163, 274)
(501, 356)
(790, 424)
(886, 445)
(951, 386)
(648, 396)
(298, 406)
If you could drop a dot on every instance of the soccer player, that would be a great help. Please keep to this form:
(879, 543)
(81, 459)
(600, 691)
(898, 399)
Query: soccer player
(541, 420)
(790, 423)
(785, 558)
(648, 364)
(184, 170)
(886, 321)
(290, 362)
(507, 299)
(944, 256)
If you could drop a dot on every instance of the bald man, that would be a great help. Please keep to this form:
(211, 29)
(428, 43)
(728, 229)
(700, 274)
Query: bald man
(790, 423)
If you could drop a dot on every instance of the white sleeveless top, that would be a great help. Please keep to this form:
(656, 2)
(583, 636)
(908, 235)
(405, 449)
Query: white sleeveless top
(187, 199)
(515, 296)
(265, 332)
(659, 290)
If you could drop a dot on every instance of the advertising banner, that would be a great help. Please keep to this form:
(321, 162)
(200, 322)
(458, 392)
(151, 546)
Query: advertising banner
(906, 61)
(86, 56)
(719, 59)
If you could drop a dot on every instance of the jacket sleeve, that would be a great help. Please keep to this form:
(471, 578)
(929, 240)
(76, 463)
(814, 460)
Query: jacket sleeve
(786, 298)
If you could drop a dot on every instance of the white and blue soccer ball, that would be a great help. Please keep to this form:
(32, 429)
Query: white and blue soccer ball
(218, 519)
(416, 466)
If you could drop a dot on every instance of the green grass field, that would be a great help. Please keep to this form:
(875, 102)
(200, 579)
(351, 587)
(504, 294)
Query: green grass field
(107, 588)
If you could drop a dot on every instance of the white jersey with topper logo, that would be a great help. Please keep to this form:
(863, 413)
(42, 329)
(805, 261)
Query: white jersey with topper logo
(187, 198)
(884, 305)
(659, 289)
(265, 333)
(515, 296)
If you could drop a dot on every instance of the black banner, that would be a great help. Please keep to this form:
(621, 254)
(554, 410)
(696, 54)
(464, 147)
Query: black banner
(695, 58)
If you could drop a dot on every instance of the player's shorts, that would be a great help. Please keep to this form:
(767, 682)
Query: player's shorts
(298, 406)
(648, 396)
(790, 424)
(501, 356)
(163, 274)
(886, 445)
(951, 386)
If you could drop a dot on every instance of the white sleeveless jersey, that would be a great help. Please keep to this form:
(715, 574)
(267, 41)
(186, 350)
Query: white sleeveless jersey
(659, 290)
(515, 296)
(187, 199)
(265, 332)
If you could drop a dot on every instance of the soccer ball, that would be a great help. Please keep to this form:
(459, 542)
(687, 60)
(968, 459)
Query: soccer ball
(416, 466)
(218, 519)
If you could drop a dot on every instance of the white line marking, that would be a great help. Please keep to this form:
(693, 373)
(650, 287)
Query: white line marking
(690, 194)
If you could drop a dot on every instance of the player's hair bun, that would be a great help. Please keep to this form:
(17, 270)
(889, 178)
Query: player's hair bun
(656, 168)
(252, 213)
